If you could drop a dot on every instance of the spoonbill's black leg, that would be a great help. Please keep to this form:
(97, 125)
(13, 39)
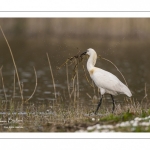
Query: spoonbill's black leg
(99, 104)
(113, 103)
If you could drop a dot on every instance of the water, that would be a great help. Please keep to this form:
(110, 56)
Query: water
(130, 56)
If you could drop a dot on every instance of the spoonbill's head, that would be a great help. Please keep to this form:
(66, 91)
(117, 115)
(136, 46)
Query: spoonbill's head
(93, 56)
(89, 52)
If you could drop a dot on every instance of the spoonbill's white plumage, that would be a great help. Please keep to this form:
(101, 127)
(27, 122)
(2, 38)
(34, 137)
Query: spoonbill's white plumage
(104, 80)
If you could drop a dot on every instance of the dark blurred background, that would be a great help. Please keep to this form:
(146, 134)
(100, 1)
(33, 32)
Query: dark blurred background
(124, 41)
(102, 28)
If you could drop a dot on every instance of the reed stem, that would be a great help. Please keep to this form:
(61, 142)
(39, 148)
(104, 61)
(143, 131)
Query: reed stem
(68, 85)
(13, 63)
(35, 85)
(14, 85)
(50, 67)
(3, 83)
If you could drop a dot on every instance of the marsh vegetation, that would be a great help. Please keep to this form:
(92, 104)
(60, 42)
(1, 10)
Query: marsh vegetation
(35, 96)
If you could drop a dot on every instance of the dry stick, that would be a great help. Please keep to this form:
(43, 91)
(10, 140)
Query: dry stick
(75, 94)
(73, 82)
(89, 95)
(63, 64)
(51, 74)
(98, 91)
(75, 70)
(14, 85)
(3, 83)
(68, 85)
(22, 87)
(77, 80)
(116, 68)
(35, 85)
(72, 86)
(77, 84)
(14, 63)
(93, 87)
(146, 92)
(13, 95)
(86, 76)
(145, 95)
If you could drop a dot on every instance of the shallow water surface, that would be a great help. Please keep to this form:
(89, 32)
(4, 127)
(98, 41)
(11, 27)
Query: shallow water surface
(131, 57)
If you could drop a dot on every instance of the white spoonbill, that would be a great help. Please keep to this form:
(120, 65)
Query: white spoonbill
(104, 80)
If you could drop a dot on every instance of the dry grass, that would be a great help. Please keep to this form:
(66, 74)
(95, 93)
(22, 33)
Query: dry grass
(34, 87)
(50, 68)
(13, 63)
(63, 118)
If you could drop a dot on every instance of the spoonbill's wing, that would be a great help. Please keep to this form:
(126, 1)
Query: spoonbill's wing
(108, 81)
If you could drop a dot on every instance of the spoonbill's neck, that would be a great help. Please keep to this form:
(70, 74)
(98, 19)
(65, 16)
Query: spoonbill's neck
(91, 61)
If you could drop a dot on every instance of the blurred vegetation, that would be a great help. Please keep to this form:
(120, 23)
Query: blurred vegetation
(106, 28)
